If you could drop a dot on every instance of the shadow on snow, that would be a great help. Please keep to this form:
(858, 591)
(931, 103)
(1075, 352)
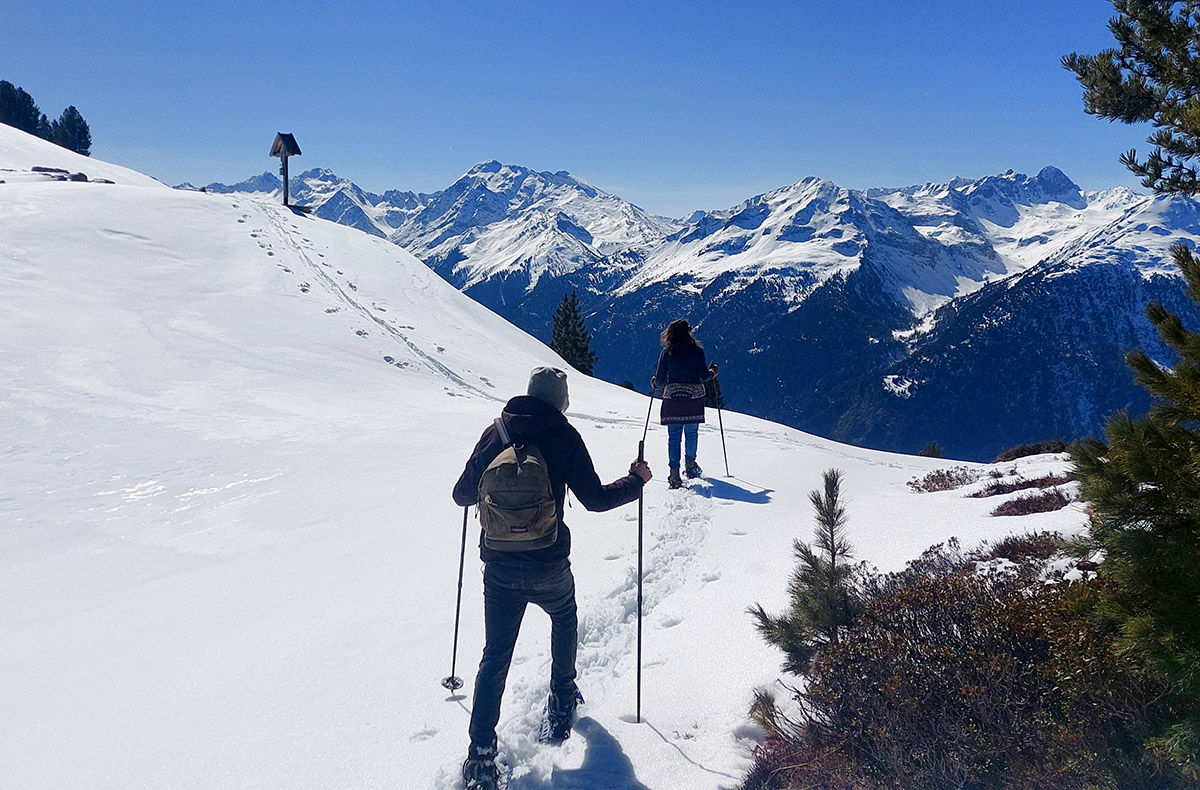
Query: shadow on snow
(721, 488)
(604, 765)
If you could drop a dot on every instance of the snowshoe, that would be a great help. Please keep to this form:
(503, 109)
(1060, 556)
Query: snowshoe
(691, 468)
(479, 769)
(673, 479)
(559, 715)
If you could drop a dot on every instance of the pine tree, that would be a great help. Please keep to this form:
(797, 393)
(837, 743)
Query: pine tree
(72, 132)
(570, 338)
(18, 109)
(1143, 485)
(821, 589)
(1152, 76)
(1143, 490)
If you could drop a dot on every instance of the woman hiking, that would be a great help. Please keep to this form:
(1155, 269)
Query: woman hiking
(681, 373)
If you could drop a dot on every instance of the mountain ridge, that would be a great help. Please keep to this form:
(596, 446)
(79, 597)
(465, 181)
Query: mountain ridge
(814, 295)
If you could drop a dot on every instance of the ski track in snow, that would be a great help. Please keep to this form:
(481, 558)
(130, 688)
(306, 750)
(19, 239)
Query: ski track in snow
(317, 270)
(607, 644)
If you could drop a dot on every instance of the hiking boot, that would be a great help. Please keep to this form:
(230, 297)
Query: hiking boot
(673, 479)
(560, 713)
(691, 468)
(479, 769)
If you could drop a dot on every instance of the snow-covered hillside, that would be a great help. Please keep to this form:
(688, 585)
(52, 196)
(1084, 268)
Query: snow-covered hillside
(228, 552)
(25, 158)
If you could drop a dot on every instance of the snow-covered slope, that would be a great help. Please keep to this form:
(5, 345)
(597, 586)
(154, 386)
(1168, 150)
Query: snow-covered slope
(20, 153)
(228, 553)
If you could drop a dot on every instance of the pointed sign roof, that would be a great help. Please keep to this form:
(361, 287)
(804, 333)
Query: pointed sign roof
(285, 145)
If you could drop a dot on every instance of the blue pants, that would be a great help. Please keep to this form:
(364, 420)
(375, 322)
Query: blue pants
(690, 434)
(507, 590)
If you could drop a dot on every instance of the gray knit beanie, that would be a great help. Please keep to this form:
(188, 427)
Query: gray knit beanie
(550, 385)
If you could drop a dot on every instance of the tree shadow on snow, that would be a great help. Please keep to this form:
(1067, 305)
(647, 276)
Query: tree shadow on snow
(604, 765)
(721, 488)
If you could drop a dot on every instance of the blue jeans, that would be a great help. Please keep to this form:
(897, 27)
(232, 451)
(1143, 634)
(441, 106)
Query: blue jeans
(690, 434)
(507, 590)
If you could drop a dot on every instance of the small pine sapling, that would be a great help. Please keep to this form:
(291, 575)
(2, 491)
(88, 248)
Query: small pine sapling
(821, 589)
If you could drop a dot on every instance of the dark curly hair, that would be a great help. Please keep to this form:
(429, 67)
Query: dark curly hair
(677, 335)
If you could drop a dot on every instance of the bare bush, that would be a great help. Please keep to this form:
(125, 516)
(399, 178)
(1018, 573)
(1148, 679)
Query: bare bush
(944, 479)
(957, 676)
(1008, 486)
(1027, 504)
(1034, 448)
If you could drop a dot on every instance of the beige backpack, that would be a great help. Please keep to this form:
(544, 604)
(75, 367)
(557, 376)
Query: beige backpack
(516, 501)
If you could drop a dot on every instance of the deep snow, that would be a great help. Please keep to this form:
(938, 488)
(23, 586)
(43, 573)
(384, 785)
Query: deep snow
(228, 551)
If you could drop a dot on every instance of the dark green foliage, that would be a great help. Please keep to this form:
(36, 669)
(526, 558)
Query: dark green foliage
(1034, 448)
(931, 450)
(1143, 487)
(18, 109)
(1152, 75)
(960, 672)
(570, 338)
(821, 589)
(72, 132)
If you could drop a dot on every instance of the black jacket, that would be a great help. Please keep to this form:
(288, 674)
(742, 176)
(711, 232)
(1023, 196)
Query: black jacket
(685, 364)
(533, 421)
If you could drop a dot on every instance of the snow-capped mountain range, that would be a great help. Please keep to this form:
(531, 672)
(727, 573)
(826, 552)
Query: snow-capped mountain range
(887, 317)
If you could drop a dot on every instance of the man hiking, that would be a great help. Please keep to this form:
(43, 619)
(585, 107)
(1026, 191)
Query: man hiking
(526, 553)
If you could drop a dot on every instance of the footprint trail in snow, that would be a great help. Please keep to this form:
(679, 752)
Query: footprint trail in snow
(675, 531)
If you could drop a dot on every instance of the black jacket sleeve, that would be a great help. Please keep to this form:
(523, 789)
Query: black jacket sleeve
(583, 480)
(466, 490)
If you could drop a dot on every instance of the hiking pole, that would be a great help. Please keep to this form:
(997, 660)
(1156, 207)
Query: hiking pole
(641, 457)
(641, 500)
(721, 423)
(453, 681)
(646, 429)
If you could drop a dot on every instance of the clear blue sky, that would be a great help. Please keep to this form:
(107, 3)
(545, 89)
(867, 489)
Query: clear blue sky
(675, 106)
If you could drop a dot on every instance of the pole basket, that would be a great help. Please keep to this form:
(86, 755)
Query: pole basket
(454, 682)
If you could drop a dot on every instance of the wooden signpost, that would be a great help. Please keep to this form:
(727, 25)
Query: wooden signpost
(283, 147)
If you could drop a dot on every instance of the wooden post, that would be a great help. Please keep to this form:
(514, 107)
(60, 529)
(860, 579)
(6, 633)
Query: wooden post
(283, 147)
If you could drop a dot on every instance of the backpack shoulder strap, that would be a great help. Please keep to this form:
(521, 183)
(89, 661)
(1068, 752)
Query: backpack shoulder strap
(500, 429)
